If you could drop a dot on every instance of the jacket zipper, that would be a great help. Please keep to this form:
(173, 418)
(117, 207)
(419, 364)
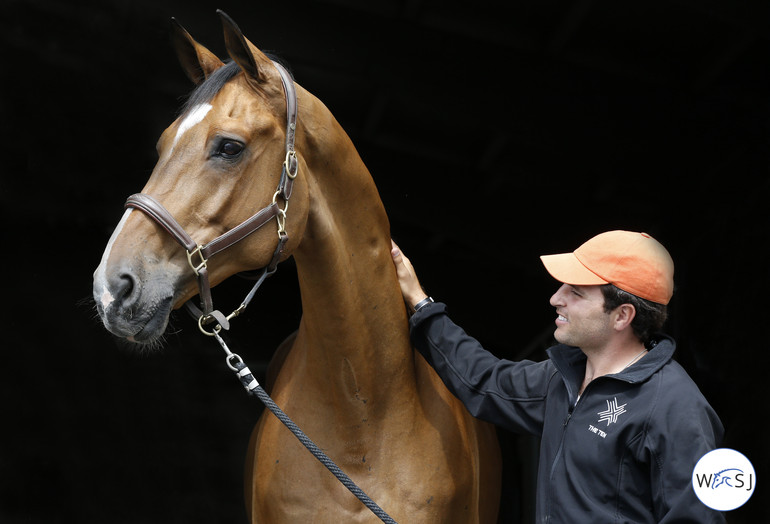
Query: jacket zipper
(557, 458)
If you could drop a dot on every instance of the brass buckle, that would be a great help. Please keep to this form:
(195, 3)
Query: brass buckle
(201, 264)
(291, 155)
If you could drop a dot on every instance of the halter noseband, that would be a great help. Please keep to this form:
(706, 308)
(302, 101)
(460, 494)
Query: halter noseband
(198, 255)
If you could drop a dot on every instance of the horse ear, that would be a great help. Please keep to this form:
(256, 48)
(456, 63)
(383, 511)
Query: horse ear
(197, 61)
(249, 58)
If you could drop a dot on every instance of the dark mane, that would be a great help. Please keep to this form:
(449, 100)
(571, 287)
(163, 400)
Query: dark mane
(206, 91)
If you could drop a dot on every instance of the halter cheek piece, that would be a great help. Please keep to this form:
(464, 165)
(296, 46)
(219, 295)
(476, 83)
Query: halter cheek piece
(199, 254)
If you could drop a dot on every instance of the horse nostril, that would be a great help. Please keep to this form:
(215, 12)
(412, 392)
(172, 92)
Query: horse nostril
(126, 289)
(126, 285)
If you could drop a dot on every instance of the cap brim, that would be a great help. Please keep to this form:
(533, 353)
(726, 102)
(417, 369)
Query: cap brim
(566, 268)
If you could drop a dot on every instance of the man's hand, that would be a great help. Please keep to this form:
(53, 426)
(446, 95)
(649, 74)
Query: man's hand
(407, 278)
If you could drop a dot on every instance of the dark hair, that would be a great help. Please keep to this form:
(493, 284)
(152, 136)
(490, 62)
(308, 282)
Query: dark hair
(209, 88)
(649, 318)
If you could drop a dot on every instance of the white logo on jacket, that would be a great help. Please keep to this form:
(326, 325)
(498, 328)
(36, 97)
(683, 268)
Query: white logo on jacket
(612, 413)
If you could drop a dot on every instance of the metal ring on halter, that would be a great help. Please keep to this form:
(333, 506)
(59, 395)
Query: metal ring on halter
(281, 219)
(285, 203)
(291, 155)
(211, 333)
(275, 196)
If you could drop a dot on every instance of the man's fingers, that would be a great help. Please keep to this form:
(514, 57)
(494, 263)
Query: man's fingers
(407, 279)
(394, 249)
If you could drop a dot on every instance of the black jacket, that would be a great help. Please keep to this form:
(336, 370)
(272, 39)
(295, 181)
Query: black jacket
(624, 452)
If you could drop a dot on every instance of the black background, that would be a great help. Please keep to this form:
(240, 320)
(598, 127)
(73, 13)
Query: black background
(495, 133)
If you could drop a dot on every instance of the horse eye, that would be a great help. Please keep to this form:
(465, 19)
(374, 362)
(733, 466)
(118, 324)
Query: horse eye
(229, 149)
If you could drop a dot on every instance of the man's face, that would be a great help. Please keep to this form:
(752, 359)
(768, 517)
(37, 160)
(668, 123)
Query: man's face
(581, 320)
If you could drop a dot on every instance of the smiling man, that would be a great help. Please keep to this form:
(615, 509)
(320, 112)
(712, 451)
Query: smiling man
(621, 424)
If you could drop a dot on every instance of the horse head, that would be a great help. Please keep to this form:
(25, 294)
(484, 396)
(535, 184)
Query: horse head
(218, 163)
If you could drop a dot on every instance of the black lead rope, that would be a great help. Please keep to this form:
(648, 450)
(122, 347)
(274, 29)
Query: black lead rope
(242, 371)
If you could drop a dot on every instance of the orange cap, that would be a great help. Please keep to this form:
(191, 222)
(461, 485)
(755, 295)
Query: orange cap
(633, 262)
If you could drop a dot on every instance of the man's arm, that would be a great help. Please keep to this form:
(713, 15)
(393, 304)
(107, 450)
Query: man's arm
(687, 428)
(510, 394)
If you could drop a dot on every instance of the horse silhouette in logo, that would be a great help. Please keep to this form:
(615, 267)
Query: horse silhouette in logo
(720, 478)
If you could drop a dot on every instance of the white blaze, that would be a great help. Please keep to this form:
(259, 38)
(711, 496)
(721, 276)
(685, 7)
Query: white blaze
(197, 114)
(100, 275)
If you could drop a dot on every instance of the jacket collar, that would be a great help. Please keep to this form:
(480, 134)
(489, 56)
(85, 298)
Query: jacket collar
(570, 362)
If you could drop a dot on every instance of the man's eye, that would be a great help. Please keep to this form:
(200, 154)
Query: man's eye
(229, 149)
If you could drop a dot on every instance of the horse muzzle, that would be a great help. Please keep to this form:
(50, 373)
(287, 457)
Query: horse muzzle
(131, 305)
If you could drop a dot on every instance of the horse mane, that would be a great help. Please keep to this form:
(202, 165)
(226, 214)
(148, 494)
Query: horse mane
(209, 88)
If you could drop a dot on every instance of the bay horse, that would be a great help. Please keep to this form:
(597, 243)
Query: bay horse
(348, 375)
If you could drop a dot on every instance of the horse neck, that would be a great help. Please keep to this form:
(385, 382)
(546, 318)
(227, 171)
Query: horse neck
(353, 313)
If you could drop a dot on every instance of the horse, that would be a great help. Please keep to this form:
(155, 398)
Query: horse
(348, 376)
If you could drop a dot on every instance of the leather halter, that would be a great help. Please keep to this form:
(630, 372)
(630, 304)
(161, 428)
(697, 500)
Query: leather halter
(199, 254)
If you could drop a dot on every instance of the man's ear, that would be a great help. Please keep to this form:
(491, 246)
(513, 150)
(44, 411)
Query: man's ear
(623, 315)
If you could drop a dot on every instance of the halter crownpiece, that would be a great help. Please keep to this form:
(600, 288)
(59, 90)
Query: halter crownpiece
(199, 254)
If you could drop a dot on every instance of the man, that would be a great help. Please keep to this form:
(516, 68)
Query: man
(621, 424)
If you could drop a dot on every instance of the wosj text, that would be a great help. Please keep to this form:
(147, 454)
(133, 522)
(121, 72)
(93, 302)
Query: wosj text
(731, 477)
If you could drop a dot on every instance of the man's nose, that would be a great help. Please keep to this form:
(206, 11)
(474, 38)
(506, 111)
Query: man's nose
(558, 298)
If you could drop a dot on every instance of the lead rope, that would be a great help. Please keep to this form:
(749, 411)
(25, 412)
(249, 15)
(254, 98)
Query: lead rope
(242, 371)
